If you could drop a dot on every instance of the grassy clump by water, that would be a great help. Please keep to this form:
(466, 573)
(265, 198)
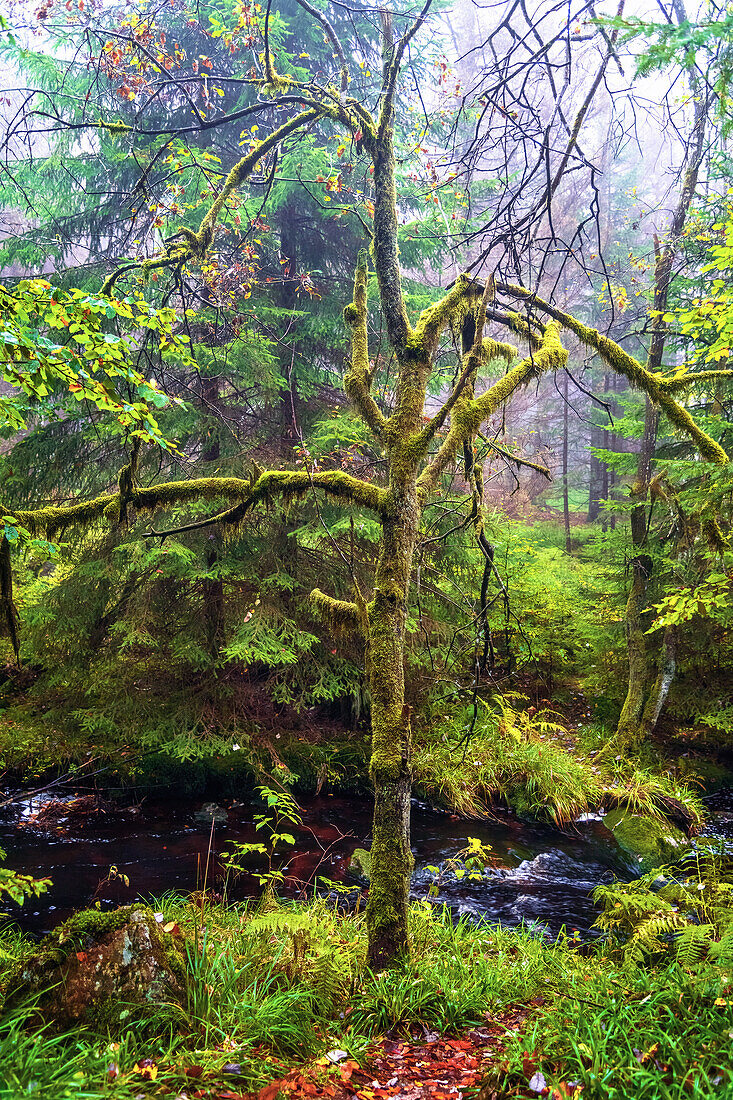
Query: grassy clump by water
(275, 987)
(528, 759)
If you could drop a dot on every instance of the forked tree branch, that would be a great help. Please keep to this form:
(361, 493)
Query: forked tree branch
(357, 380)
(652, 384)
(470, 413)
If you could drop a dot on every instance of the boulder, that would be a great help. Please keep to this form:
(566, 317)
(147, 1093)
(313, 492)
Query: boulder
(211, 811)
(360, 865)
(99, 968)
(648, 841)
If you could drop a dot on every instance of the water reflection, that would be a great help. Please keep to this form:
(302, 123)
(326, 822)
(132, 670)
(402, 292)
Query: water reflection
(544, 877)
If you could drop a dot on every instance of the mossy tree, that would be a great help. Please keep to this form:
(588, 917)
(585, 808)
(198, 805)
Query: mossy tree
(418, 449)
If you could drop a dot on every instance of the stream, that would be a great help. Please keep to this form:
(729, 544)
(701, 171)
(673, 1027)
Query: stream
(544, 876)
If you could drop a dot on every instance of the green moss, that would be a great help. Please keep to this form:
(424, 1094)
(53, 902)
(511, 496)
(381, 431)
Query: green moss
(360, 865)
(341, 615)
(37, 973)
(648, 841)
(114, 127)
(623, 363)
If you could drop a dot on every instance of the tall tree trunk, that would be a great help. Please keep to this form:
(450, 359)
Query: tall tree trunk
(285, 543)
(630, 722)
(390, 767)
(213, 586)
(598, 477)
(565, 444)
(636, 720)
(6, 595)
(287, 299)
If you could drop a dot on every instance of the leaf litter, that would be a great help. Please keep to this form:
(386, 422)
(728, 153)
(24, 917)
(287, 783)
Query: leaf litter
(427, 1067)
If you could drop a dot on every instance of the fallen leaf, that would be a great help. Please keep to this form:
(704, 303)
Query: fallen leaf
(146, 1068)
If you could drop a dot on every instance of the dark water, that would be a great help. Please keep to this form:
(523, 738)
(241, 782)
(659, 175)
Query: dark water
(543, 877)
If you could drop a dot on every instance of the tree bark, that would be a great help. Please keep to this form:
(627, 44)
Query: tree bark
(565, 445)
(629, 728)
(213, 586)
(390, 767)
(598, 475)
(633, 726)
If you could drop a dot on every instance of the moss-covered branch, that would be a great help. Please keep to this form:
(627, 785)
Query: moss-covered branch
(536, 466)
(469, 414)
(189, 244)
(490, 349)
(623, 363)
(273, 483)
(357, 381)
(342, 616)
(688, 381)
(332, 38)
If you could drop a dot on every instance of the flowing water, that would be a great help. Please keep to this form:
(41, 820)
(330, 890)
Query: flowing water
(543, 877)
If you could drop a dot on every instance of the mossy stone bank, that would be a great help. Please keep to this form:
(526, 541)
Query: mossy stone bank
(648, 841)
(99, 968)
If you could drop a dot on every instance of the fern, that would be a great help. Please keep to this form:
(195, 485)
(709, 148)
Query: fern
(311, 952)
(690, 914)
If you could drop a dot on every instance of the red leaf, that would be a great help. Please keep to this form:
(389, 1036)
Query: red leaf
(529, 1064)
(269, 1092)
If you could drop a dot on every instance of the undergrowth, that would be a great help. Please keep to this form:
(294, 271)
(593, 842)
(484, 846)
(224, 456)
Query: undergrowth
(277, 986)
(513, 754)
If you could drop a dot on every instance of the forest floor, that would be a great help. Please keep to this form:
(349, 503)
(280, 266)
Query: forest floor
(436, 1068)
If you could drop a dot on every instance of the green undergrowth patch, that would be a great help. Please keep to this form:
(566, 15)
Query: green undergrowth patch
(646, 1034)
(527, 759)
(274, 986)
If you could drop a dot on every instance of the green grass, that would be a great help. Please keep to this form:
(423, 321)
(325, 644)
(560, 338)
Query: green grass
(523, 759)
(277, 987)
(650, 1035)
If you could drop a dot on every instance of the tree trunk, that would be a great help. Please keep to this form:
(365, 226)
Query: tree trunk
(287, 300)
(667, 668)
(598, 478)
(642, 671)
(565, 443)
(390, 768)
(213, 586)
(629, 729)
(285, 543)
(6, 594)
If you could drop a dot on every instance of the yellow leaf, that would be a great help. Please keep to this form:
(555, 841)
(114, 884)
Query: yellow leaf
(147, 1071)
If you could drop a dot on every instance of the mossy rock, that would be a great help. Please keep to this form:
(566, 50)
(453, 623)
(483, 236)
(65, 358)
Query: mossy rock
(360, 865)
(98, 969)
(211, 812)
(648, 841)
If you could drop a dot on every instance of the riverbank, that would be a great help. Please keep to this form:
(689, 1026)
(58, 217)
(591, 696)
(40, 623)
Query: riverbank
(541, 763)
(279, 1003)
